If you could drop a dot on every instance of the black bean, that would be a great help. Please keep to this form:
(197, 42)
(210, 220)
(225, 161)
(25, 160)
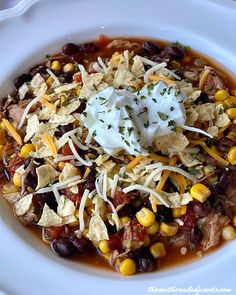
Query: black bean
(151, 47)
(174, 52)
(62, 129)
(202, 98)
(200, 209)
(90, 182)
(225, 178)
(146, 262)
(31, 179)
(27, 162)
(82, 107)
(41, 69)
(39, 200)
(22, 79)
(2, 103)
(77, 58)
(127, 210)
(66, 77)
(82, 245)
(88, 48)
(157, 58)
(164, 214)
(196, 236)
(38, 161)
(63, 247)
(224, 144)
(70, 49)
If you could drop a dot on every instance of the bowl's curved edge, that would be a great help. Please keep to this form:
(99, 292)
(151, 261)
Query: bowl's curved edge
(16, 10)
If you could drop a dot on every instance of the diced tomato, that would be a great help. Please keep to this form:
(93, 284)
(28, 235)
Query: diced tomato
(74, 197)
(15, 163)
(77, 77)
(138, 231)
(52, 233)
(114, 242)
(189, 219)
(121, 198)
(66, 150)
(103, 41)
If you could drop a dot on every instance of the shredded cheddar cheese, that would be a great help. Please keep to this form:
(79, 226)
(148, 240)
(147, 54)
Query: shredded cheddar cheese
(134, 162)
(50, 144)
(181, 181)
(166, 174)
(159, 158)
(159, 78)
(47, 104)
(210, 152)
(12, 131)
(203, 79)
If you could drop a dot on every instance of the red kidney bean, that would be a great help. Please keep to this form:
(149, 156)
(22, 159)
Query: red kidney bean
(174, 52)
(63, 247)
(62, 129)
(82, 107)
(70, 49)
(88, 48)
(196, 236)
(31, 179)
(22, 79)
(77, 57)
(38, 69)
(224, 144)
(39, 200)
(157, 58)
(225, 179)
(151, 47)
(90, 182)
(82, 245)
(200, 209)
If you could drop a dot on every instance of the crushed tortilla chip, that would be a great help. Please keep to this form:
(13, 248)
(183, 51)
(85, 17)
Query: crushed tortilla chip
(23, 90)
(177, 139)
(68, 172)
(190, 159)
(23, 205)
(65, 207)
(138, 68)
(32, 127)
(221, 118)
(92, 85)
(66, 87)
(49, 218)
(46, 174)
(69, 108)
(191, 116)
(97, 229)
(206, 112)
(175, 200)
(62, 120)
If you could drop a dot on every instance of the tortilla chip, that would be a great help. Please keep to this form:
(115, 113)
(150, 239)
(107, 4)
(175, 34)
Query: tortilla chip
(101, 159)
(191, 116)
(37, 82)
(62, 120)
(66, 87)
(138, 68)
(49, 218)
(206, 112)
(23, 205)
(68, 172)
(23, 90)
(171, 143)
(70, 108)
(97, 229)
(221, 118)
(65, 207)
(46, 174)
(32, 127)
(175, 200)
(190, 159)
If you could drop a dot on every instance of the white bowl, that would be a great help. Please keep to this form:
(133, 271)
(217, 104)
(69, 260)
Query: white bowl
(35, 28)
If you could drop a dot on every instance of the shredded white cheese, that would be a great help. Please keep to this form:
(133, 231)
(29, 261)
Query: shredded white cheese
(102, 64)
(81, 209)
(114, 185)
(77, 156)
(58, 83)
(152, 70)
(78, 143)
(193, 129)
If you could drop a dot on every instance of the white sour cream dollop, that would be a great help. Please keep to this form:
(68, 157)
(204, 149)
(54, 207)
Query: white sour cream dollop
(122, 120)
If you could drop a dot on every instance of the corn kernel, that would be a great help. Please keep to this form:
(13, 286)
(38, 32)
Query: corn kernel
(234, 220)
(183, 209)
(124, 220)
(153, 229)
(68, 68)
(231, 113)
(230, 102)
(228, 233)
(56, 66)
(221, 95)
(145, 217)
(103, 246)
(61, 165)
(176, 212)
(158, 250)
(78, 91)
(17, 179)
(1, 150)
(49, 81)
(26, 149)
(200, 192)
(168, 229)
(232, 155)
(127, 267)
(3, 138)
(146, 240)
